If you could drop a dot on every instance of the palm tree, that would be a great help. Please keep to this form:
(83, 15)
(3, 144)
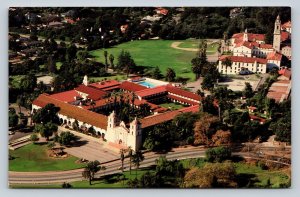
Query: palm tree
(170, 75)
(90, 170)
(136, 159)
(105, 56)
(122, 157)
(130, 158)
(111, 59)
(227, 63)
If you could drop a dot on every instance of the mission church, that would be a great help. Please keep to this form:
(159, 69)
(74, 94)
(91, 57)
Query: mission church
(251, 53)
(87, 103)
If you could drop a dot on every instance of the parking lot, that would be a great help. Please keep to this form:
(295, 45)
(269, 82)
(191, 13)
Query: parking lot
(91, 148)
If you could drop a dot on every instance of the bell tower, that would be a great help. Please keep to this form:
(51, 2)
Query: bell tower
(277, 34)
(135, 135)
(245, 38)
(85, 80)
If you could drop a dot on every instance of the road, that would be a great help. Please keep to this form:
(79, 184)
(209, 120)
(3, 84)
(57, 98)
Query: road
(111, 167)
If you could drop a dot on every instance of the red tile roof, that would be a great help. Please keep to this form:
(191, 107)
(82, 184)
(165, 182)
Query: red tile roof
(92, 92)
(243, 59)
(151, 91)
(266, 46)
(284, 36)
(287, 25)
(274, 56)
(184, 93)
(182, 100)
(67, 96)
(251, 37)
(285, 72)
(131, 87)
(245, 44)
(109, 84)
(160, 118)
(92, 118)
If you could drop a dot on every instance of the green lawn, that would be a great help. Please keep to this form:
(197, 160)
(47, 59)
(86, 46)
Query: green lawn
(172, 106)
(194, 43)
(154, 53)
(34, 158)
(276, 177)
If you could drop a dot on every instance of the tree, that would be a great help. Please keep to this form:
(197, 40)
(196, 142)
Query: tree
(137, 158)
(71, 52)
(202, 130)
(90, 170)
(156, 74)
(46, 130)
(248, 92)
(106, 62)
(221, 138)
(34, 137)
(12, 118)
(75, 125)
(157, 138)
(282, 128)
(212, 175)
(28, 83)
(66, 138)
(46, 114)
(122, 157)
(208, 105)
(51, 64)
(66, 185)
(130, 158)
(170, 74)
(197, 66)
(111, 60)
(125, 62)
(218, 154)
(227, 63)
(92, 131)
(51, 145)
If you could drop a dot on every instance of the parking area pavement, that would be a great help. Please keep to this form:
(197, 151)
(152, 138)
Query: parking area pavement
(91, 148)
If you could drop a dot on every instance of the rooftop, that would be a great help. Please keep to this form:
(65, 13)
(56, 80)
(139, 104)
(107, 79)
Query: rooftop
(72, 111)
(67, 96)
(93, 93)
(131, 87)
(105, 84)
(243, 59)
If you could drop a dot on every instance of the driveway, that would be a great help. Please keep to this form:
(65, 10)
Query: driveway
(91, 148)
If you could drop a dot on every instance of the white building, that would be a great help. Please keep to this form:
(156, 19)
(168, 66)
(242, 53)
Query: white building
(239, 63)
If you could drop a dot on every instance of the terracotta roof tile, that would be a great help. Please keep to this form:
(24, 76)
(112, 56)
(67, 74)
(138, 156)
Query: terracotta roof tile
(92, 92)
(132, 87)
(105, 84)
(160, 118)
(284, 36)
(181, 92)
(67, 96)
(72, 111)
(182, 99)
(151, 91)
(274, 56)
(243, 59)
